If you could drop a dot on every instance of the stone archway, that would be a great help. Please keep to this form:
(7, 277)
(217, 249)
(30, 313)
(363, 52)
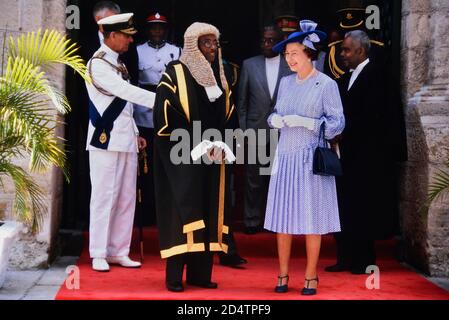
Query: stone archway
(425, 83)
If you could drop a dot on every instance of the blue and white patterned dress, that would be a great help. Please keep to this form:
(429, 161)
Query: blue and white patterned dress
(300, 202)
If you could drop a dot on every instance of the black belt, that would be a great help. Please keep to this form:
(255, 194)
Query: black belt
(149, 87)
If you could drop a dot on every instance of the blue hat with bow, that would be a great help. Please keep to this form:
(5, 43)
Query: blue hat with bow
(307, 36)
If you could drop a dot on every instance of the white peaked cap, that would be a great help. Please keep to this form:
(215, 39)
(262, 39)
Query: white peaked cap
(116, 18)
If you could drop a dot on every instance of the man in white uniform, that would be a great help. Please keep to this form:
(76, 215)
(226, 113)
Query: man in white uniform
(113, 142)
(153, 56)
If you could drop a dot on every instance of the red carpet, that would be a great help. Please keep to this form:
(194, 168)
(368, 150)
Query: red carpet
(257, 280)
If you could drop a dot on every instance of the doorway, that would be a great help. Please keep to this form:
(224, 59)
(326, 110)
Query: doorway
(240, 23)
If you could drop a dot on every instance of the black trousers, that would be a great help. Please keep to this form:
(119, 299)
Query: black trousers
(198, 267)
(355, 251)
(145, 181)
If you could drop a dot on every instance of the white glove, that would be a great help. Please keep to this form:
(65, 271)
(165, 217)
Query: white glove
(205, 147)
(277, 122)
(298, 121)
(229, 155)
(200, 149)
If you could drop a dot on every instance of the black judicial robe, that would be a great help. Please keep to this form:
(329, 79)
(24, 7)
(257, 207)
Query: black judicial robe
(373, 141)
(191, 202)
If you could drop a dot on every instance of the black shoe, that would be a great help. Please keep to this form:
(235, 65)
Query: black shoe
(337, 268)
(306, 291)
(358, 270)
(174, 287)
(252, 230)
(205, 285)
(232, 260)
(281, 288)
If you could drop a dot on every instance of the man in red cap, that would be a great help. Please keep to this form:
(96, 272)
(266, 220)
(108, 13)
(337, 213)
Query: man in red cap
(154, 55)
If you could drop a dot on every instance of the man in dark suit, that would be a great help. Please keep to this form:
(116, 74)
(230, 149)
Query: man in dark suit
(369, 148)
(258, 87)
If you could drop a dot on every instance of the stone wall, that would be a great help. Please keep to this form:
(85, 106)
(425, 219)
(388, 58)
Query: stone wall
(22, 16)
(425, 79)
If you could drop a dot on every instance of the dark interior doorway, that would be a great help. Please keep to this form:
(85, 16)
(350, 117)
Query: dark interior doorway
(240, 23)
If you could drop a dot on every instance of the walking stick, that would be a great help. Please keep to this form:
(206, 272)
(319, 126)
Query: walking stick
(139, 199)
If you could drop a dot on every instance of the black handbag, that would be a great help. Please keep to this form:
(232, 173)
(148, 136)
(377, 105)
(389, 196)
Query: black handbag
(325, 160)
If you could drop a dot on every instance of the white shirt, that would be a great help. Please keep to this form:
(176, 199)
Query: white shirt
(123, 134)
(272, 70)
(152, 62)
(356, 72)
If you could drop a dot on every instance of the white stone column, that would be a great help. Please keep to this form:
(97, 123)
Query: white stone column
(425, 52)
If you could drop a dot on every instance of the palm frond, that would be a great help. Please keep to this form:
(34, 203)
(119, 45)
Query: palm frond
(11, 146)
(47, 49)
(24, 111)
(29, 205)
(22, 77)
(439, 186)
(44, 149)
(27, 121)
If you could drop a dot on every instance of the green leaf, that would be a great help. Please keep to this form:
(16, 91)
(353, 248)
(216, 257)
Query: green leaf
(30, 107)
(28, 205)
(47, 49)
(439, 186)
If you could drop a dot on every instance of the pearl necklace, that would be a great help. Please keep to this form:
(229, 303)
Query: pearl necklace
(301, 81)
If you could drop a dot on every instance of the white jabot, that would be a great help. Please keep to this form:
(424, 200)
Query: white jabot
(272, 70)
(213, 93)
(356, 73)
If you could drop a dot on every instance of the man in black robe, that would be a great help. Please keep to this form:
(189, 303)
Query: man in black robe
(191, 202)
(371, 144)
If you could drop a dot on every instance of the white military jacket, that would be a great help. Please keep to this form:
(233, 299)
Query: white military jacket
(152, 62)
(123, 137)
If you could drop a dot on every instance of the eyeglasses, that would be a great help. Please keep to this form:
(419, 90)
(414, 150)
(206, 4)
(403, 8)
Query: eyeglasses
(209, 43)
